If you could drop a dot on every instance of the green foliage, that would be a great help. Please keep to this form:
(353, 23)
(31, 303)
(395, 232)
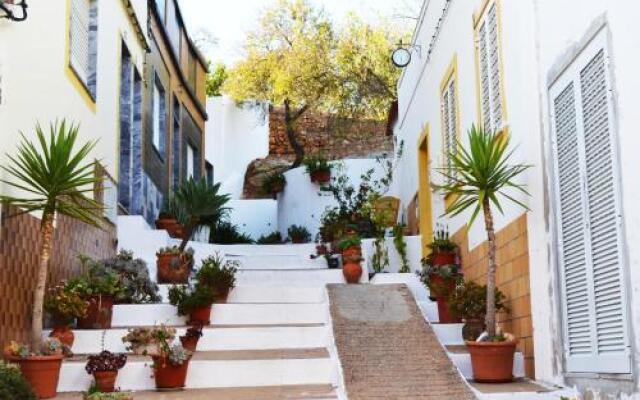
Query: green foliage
(273, 238)
(441, 242)
(316, 163)
(188, 298)
(401, 247)
(224, 232)
(133, 274)
(13, 386)
(469, 300)
(137, 338)
(201, 206)
(97, 395)
(64, 303)
(272, 182)
(217, 273)
(439, 278)
(216, 79)
(299, 234)
(53, 174)
(380, 258)
(349, 242)
(97, 281)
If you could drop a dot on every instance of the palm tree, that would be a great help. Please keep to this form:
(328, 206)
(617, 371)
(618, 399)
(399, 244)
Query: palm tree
(54, 177)
(475, 179)
(200, 205)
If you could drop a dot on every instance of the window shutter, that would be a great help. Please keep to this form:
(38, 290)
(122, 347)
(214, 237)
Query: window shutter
(488, 48)
(449, 134)
(79, 47)
(485, 99)
(590, 241)
(494, 68)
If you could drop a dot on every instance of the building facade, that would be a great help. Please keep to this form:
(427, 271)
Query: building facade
(556, 77)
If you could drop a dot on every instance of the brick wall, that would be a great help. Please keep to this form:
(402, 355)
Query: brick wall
(318, 133)
(512, 278)
(19, 252)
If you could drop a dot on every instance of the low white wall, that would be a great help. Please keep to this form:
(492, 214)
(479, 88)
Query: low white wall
(414, 254)
(254, 217)
(301, 202)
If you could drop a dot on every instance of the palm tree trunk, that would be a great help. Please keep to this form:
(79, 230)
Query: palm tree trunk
(490, 317)
(38, 296)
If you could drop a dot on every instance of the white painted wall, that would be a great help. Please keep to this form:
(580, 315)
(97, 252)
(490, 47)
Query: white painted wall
(301, 202)
(235, 136)
(36, 88)
(414, 254)
(254, 217)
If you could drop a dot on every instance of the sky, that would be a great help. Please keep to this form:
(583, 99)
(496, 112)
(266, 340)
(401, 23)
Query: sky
(229, 20)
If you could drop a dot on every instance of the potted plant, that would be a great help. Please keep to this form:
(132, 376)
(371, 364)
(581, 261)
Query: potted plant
(64, 305)
(171, 365)
(219, 275)
(191, 337)
(199, 206)
(99, 288)
(174, 265)
(104, 367)
(272, 238)
(299, 234)
(13, 386)
(318, 168)
(194, 301)
(274, 183)
(169, 218)
(41, 368)
(441, 281)
(469, 302)
(146, 341)
(53, 170)
(350, 247)
(443, 250)
(478, 176)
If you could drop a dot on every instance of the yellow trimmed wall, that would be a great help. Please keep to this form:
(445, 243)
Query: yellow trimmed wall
(512, 278)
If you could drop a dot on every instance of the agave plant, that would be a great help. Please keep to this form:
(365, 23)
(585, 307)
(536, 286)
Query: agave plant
(477, 177)
(201, 206)
(54, 177)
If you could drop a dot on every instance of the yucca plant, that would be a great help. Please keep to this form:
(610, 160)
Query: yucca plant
(54, 176)
(201, 206)
(478, 178)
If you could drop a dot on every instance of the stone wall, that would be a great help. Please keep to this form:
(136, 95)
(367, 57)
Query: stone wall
(512, 278)
(19, 252)
(318, 133)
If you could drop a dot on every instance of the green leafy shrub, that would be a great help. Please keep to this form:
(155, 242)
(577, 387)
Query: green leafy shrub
(224, 232)
(217, 273)
(273, 238)
(189, 298)
(349, 242)
(299, 234)
(316, 163)
(13, 386)
(97, 281)
(64, 304)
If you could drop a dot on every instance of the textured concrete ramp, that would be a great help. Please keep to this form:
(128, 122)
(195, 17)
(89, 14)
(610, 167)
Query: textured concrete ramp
(387, 349)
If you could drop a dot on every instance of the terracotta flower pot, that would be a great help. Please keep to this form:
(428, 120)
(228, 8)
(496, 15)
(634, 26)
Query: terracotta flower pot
(444, 258)
(189, 342)
(171, 225)
(173, 268)
(200, 316)
(352, 252)
(472, 328)
(492, 362)
(352, 272)
(222, 297)
(169, 376)
(64, 334)
(322, 176)
(98, 314)
(444, 315)
(42, 373)
(106, 380)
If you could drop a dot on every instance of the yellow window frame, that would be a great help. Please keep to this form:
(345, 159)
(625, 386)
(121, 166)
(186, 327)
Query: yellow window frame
(451, 74)
(425, 208)
(71, 74)
(478, 17)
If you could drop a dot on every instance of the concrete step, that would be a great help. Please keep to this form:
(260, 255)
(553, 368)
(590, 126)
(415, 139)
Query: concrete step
(221, 314)
(219, 370)
(419, 291)
(295, 278)
(462, 359)
(289, 392)
(429, 310)
(449, 334)
(521, 389)
(260, 294)
(215, 339)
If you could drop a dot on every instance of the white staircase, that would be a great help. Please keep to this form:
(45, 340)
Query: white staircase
(274, 330)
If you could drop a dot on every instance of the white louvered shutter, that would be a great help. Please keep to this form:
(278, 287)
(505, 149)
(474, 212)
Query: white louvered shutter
(79, 43)
(449, 126)
(489, 60)
(590, 243)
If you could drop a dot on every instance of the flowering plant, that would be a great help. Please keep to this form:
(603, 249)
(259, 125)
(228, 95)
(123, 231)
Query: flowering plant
(64, 303)
(105, 361)
(50, 347)
(139, 338)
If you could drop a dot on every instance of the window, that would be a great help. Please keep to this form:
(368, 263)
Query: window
(588, 212)
(177, 139)
(83, 38)
(492, 113)
(449, 115)
(191, 161)
(159, 117)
